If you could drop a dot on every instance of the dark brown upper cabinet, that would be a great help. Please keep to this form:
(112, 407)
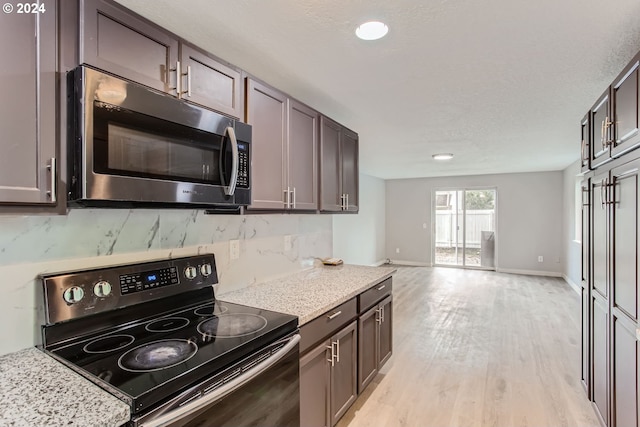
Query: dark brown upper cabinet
(209, 82)
(600, 121)
(585, 144)
(625, 107)
(285, 140)
(28, 159)
(116, 40)
(338, 167)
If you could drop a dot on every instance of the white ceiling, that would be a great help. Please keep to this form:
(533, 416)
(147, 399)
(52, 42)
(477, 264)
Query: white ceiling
(502, 84)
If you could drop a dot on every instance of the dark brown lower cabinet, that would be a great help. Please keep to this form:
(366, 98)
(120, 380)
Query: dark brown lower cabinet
(624, 410)
(328, 379)
(600, 358)
(374, 340)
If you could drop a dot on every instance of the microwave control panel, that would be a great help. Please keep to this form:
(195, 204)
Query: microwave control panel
(243, 165)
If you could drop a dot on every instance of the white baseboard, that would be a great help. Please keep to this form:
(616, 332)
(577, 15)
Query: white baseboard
(379, 263)
(410, 263)
(529, 272)
(572, 284)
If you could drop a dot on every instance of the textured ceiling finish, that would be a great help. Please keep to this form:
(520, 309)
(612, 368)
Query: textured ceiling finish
(502, 84)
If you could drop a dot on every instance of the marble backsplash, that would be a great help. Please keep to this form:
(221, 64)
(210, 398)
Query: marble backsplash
(86, 238)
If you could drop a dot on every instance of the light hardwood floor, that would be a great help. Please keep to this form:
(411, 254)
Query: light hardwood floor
(478, 348)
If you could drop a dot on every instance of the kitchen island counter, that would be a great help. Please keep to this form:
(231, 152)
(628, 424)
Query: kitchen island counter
(310, 293)
(37, 390)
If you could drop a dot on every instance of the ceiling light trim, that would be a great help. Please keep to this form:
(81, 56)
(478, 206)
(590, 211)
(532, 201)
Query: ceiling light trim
(372, 30)
(442, 156)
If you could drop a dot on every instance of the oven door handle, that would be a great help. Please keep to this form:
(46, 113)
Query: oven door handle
(231, 386)
(231, 188)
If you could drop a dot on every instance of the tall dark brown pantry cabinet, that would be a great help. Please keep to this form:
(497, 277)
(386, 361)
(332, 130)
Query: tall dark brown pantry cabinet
(611, 250)
(28, 159)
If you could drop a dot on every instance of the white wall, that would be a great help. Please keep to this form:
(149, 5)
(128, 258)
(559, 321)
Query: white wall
(529, 218)
(360, 239)
(571, 247)
(88, 238)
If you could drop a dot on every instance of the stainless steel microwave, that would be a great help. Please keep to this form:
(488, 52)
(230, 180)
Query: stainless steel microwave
(133, 146)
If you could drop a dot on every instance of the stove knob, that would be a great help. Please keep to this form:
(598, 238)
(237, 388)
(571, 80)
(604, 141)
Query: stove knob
(102, 289)
(205, 269)
(190, 273)
(73, 294)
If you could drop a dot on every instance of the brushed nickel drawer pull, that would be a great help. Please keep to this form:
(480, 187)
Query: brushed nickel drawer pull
(382, 287)
(334, 315)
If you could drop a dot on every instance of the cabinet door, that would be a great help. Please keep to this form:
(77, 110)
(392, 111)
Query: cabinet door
(625, 248)
(349, 155)
(600, 357)
(28, 106)
(586, 290)
(599, 234)
(314, 387)
(344, 390)
(600, 125)
(330, 166)
(626, 109)
(267, 114)
(385, 326)
(208, 82)
(624, 387)
(118, 41)
(585, 143)
(368, 347)
(302, 157)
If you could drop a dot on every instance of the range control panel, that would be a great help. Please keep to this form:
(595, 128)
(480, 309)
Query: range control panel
(82, 293)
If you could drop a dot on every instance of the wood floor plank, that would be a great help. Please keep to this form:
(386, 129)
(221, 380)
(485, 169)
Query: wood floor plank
(478, 349)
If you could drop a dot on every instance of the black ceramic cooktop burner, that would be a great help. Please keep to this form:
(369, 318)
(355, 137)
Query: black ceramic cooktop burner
(157, 355)
(167, 324)
(211, 310)
(232, 325)
(108, 344)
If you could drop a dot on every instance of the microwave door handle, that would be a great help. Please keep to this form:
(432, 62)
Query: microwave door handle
(231, 188)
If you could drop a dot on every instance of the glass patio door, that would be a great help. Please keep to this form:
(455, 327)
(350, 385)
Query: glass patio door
(464, 228)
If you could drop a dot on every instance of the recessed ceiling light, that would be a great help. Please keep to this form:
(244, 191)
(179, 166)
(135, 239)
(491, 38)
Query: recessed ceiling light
(372, 30)
(442, 156)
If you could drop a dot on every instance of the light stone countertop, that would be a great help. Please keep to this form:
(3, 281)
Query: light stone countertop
(310, 293)
(38, 391)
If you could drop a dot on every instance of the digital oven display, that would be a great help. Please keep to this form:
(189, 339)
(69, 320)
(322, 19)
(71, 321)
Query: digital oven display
(138, 282)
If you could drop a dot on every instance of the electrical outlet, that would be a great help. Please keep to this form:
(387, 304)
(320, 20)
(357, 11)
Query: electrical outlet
(234, 249)
(540, 258)
(287, 243)
(424, 225)
(397, 250)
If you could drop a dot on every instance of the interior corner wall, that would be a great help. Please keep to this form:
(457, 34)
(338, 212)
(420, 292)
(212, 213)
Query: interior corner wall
(529, 219)
(571, 246)
(360, 238)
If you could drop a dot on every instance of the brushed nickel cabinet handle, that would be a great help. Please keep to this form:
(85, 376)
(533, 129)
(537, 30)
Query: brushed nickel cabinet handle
(603, 195)
(52, 168)
(334, 315)
(294, 197)
(287, 198)
(382, 287)
(583, 145)
(178, 86)
(337, 351)
(188, 74)
(332, 359)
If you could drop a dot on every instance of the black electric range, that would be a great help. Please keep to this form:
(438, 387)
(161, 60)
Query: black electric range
(147, 332)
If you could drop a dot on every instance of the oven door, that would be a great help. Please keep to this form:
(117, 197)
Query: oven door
(136, 145)
(261, 390)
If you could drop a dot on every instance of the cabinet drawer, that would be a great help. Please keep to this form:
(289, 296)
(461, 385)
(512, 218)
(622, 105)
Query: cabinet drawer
(326, 324)
(374, 294)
